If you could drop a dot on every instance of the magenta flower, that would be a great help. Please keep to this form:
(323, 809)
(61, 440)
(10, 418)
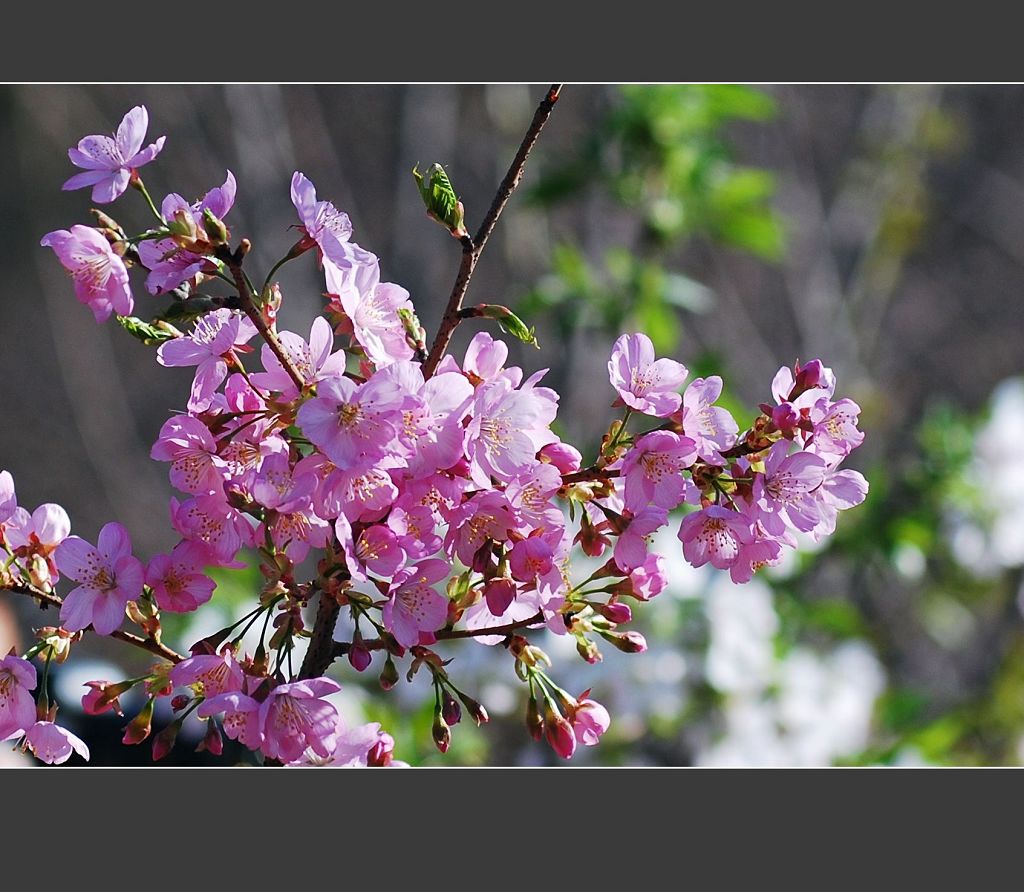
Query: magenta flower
(653, 470)
(474, 522)
(99, 275)
(209, 675)
(168, 263)
(177, 579)
(589, 720)
(213, 522)
(783, 492)
(835, 430)
(414, 605)
(241, 717)
(649, 579)
(54, 745)
(631, 547)
(379, 551)
(530, 558)
(17, 705)
(712, 428)
(294, 716)
(643, 383)
(811, 382)
(752, 556)
(714, 535)
(499, 441)
(108, 576)
(326, 226)
(211, 342)
(567, 459)
(372, 307)
(108, 162)
(416, 531)
(362, 495)
(36, 536)
(188, 444)
(531, 496)
(352, 424)
(357, 747)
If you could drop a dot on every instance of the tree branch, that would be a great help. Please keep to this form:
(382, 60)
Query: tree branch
(508, 628)
(321, 643)
(472, 248)
(46, 599)
(233, 261)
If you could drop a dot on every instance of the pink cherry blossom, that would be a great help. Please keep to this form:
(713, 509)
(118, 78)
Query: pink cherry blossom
(178, 582)
(214, 523)
(416, 531)
(168, 263)
(589, 721)
(354, 748)
(188, 444)
(211, 342)
(372, 309)
(312, 359)
(352, 424)
(653, 470)
(714, 535)
(649, 579)
(711, 427)
(472, 524)
(241, 717)
(839, 491)
(835, 431)
(644, 383)
(295, 716)
(36, 536)
(783, 491)
(17, 705)
(108, 576)
(811, 382)
(100, 276)
(631, 547)
(378, 550)
(209, 674)
(326, 226)
(8, 500)
(485, 358)
(499, 442)
(108, 162)
(531, 495)
(752, 556)
(414, 605)
(54, 745)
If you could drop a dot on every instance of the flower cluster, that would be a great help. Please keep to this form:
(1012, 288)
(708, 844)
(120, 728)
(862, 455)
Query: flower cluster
(438, 502)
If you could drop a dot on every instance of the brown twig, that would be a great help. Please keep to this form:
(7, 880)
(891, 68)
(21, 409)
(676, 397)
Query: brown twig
(472, 248)
(46, 599)
(321, 643)
(233, 261)
(585, 475)
(508, 628)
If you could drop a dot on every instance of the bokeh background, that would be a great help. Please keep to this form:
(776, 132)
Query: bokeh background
(877, 227)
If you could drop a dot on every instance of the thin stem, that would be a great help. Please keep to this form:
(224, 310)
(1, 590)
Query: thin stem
(472, 248)
(141, 188)
(449, 634)
(46, 599)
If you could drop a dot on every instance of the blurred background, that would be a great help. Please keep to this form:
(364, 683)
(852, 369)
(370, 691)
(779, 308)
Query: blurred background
(876, 227)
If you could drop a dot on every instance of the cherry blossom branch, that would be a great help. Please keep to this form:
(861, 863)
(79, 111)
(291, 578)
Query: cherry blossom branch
(46, 599)
(233, 261)
(508, 628)
(472, 248)
(322, 651)
(585, 475)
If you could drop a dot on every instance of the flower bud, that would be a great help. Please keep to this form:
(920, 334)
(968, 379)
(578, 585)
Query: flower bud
(476, 710)
(440, 200)
(180, 701)
(163, 742)
(615, 611)
(138, 728)
(381, 754)
(451, 712)
(389, 674)
(359, 656)
(441, 733)
(215, 229)
(39, 573)
(534, 721)
(588, 650)
(102, 696)
(627, 642)
(212, 742)
(559, 733)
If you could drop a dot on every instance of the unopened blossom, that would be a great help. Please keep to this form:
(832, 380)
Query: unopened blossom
(99, 275)
(372, 309)
(326, 226)
(312, 359)
(177, 579)
(208, 347)
(109, 576)
(209, 674)
(17, 705)
(414, 605)
(711, 427)
(653, 470)
(108, 162)
(714, 535)
(589, 720)
(644, 383)
(189, 446)
(54, 745)
(352, 424)
(169, 263)
(649, 578)
(37, 536)
(295, 716)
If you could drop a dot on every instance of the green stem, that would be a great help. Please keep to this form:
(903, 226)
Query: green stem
(141, 187)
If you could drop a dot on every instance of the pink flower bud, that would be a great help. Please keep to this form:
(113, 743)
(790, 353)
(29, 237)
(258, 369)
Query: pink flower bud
(359, 656)
(381, 754)
(615, 611)
(389, 674)
(163, 742)
(138, 728)
(559, 734)
(441, 733)
(627, 642)
(212, 742)
(180, 701)
(451, 712)
(563, 456)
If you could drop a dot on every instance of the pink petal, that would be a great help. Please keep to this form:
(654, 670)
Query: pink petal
(77, 558)
(114, 543)
(132, 131)
(86, 178)
(109, 189)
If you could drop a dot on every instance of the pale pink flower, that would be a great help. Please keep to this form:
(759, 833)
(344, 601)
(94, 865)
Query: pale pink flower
(294, 716)
(326, 226)
(189, 446)
(178, 581)
(214, 523)
(631, 547)
(312, 359)
(589, 720)
(8, 500)
(498, 438)
(485, 358)
(835, 432)
(209, 674)
(644, 383)
(714, 535)
(414, 605)
(653, 471)
(241, 717)
(17, 705)
(100, 276)
(54, 745)
(37, 535)
(108, 162)
(711, 427)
